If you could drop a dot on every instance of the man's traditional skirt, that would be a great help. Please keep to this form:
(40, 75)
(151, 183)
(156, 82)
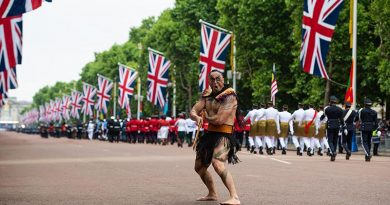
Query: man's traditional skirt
(209, 141)
(283, 129)
(261, 126)
(270, 129)
(299, 130)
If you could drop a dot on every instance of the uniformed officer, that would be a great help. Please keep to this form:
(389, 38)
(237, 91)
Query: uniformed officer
(349, 116)
(368, 123)
(335, 120)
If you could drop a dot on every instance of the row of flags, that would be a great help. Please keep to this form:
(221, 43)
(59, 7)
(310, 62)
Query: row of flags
(318, 24)
(70, 106)
(11, 33)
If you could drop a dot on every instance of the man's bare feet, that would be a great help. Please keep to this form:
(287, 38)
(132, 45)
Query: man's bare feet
(208, 198)
(231, 201)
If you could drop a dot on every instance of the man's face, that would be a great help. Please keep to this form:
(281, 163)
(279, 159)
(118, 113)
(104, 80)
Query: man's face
(216, 81)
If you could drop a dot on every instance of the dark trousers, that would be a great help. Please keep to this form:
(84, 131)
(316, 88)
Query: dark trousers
(366, 142)
(239, 137)
(375, 150)
(340, 143)
(247, 139)
(333, 136)
(133, 136)
(347, 141)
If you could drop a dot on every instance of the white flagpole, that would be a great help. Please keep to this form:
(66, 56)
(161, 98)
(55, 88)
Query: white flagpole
(138, 98)
(155, 51)
(214, 26)
(354, 34)
(234, 61)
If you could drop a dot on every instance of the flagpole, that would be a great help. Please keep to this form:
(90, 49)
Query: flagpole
(155, 51)
(138, 97)
(174, 93)
(214, 26)
(115, 98)
(273, 96)
(234, 61)
(103, 77)
(354, 34)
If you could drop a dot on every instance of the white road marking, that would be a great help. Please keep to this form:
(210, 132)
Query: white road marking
(278, 160)
(96, 159)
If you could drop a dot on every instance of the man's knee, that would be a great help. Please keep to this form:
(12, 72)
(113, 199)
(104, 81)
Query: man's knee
(199, 168)
(218, 166)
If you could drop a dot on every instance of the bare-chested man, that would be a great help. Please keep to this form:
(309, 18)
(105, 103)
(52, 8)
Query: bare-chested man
(219, 105)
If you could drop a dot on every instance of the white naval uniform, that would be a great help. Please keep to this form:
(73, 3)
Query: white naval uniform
(285, 117)
(272, 114)
(251, 116)
(309, 115)
(297, 116)
(90, 129)
(259, 115)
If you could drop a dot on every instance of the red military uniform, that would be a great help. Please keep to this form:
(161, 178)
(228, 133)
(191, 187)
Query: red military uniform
(172, 130)
(154, 127)
(134, 123)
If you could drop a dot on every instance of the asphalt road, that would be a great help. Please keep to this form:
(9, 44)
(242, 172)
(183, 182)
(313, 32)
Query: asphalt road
(34, 170)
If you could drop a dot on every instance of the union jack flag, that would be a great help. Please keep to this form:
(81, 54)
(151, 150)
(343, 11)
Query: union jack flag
(47, 112)
(103, 94)
(8, 79)
(65, 107)
(53, 106)
(10, 8)
(157, 78)
(58, 109)
(318, 24)
(88, 99)
(3, 96)
(42, 113)
(126, 85)
(76, 99)
(214, 45)
(10, 51)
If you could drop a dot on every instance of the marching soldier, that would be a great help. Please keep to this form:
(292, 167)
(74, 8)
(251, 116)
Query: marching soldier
(311, 128)
(298, 130)
(368, 123)
(335, 120)
(272, 127)
(260, 121)
(251, 117)
(285, 124)
(349, 117)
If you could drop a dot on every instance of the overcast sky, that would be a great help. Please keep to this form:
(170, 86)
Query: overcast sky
(59, 38)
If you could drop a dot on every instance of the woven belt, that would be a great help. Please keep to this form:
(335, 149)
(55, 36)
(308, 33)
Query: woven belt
(221, 128)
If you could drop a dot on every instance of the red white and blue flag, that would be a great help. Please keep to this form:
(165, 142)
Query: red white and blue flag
(10, 8)
(103, 94)
(127, 77)
(158, 74)
(76, 106)
(65, 107)
(318, 24)
(58, 109)
(214, 46)
(47, 112)
(3, 96)
(42, 112)
(89, 93)
(53, 106)
(10, 51)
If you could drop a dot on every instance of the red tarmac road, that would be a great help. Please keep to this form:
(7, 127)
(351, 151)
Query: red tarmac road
(34, 170)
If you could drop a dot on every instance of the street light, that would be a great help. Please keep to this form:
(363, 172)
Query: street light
(230, 75)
